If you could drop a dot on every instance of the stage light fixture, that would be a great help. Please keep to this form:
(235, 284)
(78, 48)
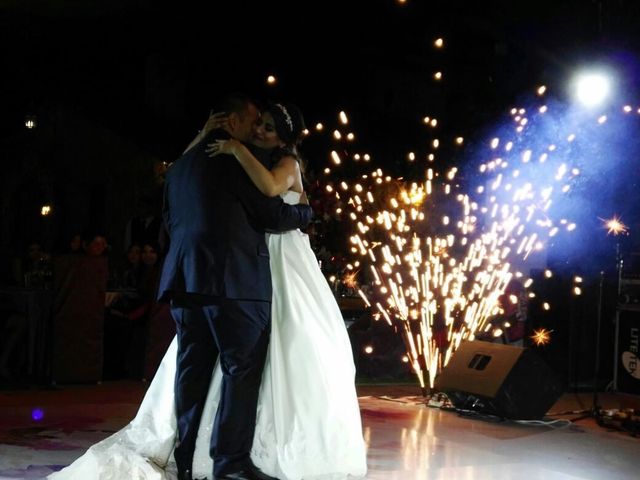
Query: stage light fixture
(591, 89)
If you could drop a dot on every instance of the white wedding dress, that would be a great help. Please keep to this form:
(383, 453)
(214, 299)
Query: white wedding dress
(308, 423)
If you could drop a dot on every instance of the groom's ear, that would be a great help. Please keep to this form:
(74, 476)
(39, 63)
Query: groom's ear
(233, 120)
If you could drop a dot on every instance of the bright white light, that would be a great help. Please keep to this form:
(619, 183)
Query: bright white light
(592, 89)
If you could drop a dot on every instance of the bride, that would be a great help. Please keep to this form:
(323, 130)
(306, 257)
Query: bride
(308, 423)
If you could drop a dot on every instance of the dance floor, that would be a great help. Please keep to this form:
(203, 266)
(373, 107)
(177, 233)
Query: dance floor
(42, 431)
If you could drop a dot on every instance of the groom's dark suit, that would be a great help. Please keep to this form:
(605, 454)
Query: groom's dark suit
(217, 275)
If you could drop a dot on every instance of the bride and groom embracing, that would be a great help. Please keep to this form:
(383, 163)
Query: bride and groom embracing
(280, 401)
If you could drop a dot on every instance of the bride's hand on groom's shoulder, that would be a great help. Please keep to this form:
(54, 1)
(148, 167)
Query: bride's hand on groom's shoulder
(223, 147)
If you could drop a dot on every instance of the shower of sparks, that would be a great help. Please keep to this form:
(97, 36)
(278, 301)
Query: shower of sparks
(440, 251)
(542, 336)
(440, 254)
(440, 258)
(615, 226)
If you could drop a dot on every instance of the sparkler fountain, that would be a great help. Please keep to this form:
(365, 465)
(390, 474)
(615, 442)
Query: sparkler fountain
(440, 257)
(439, 249)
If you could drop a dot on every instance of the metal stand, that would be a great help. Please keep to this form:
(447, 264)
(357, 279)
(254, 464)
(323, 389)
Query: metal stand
(616, 334)
(594, 411)
(595, 408)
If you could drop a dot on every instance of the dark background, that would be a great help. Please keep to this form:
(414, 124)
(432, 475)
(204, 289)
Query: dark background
(150, 70)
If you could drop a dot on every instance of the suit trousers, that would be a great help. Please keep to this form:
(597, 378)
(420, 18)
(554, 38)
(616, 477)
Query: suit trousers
(237, 330)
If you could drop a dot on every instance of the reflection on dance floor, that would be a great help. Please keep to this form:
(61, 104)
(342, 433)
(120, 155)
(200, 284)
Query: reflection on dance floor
(40, 432)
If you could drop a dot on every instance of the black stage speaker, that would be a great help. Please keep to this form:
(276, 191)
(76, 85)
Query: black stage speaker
(510, 382)
(626, 373)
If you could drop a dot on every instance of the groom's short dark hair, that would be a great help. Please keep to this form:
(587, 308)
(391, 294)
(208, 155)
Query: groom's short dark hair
(236, 103)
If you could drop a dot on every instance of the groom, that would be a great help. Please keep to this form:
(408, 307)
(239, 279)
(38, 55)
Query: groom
(217, 275)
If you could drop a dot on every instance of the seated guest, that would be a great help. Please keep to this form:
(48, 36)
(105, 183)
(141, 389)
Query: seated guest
(147, 286)
(125, 321)
(150, 269)
(99, 247)
(131, 276)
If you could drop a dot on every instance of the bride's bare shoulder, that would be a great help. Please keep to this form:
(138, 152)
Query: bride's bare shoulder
(288, 162)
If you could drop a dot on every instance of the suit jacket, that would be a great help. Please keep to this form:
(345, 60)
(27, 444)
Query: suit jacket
(216, 220)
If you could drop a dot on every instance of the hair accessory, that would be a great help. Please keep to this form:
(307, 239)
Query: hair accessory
(287, 117)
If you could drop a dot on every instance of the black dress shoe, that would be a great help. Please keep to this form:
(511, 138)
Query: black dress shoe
(251, 473)
(241, 475)
(186, 475)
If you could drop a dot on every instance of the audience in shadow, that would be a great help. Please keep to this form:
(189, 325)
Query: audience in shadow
(128, 318)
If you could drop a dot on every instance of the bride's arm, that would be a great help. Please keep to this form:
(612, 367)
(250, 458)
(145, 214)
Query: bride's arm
(270, 182)
(215, 121)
